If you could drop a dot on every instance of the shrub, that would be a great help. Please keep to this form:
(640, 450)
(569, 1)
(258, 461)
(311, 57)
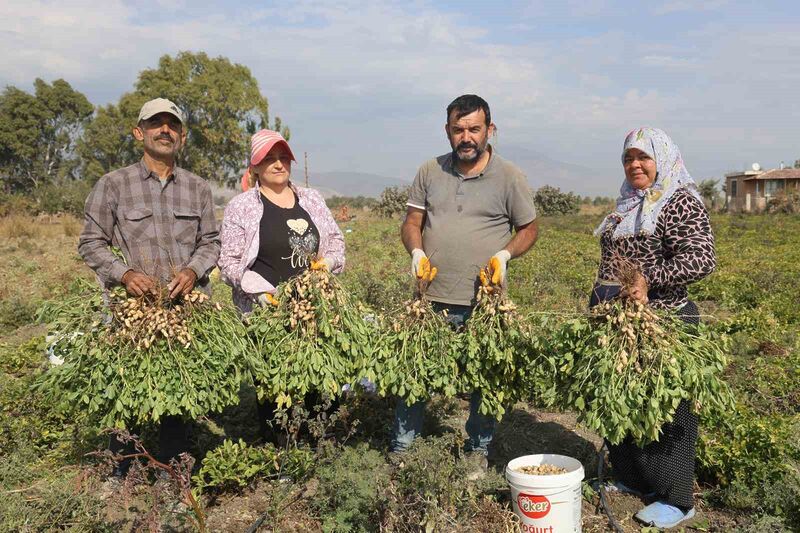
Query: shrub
(352, 202)
(432, 486)
(393, 201)
(68, 196)
(11, 204)
(352, 491)
(755, 460)
(551, 201)
(785, 202)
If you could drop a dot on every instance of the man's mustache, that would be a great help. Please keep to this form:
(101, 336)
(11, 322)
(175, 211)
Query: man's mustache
(467, 145)
(165, 137)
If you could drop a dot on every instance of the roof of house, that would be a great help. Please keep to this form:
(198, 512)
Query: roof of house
(777, 174)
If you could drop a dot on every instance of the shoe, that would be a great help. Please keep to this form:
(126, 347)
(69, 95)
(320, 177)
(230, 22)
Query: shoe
(477, 465)
(663, 515)
(618, 486)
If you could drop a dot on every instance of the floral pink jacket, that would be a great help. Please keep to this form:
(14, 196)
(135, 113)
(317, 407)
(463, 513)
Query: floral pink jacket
(239, 235)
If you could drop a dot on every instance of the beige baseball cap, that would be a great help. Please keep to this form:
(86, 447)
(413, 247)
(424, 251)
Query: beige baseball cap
(159, 105)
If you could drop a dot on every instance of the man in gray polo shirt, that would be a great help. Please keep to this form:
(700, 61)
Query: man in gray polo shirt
(465, 208)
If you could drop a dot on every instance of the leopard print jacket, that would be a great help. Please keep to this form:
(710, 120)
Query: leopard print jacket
(679, 252)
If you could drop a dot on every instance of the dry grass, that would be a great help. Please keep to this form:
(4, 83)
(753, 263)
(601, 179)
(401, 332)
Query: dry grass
(43, 226)
(19, 227)
(38, 260)
(71, 226)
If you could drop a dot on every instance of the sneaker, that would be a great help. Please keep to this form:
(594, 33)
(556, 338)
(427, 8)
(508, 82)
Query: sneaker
(477, 465)
(663, 515)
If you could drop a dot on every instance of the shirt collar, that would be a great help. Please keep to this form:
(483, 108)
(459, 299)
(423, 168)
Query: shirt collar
(453, 170)
(145, 172)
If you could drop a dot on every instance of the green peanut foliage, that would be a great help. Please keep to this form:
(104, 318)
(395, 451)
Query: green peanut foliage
(116, 383)
(315, 339)
(625, 369)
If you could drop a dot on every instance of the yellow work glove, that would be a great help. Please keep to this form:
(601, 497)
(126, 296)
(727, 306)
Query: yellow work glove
(265, 299)
(323, 263)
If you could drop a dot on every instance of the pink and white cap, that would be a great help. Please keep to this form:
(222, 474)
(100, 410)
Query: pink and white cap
(260, 144)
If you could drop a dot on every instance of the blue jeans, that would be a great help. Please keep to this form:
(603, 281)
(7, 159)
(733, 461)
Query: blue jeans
(408, 418)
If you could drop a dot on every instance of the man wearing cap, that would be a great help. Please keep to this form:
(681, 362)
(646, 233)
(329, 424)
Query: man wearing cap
(161, 217)
(466, 208)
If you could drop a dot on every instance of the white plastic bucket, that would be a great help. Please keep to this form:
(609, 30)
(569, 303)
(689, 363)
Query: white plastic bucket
(547, 504)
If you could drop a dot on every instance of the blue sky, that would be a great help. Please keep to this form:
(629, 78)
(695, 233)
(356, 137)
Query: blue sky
(363, 85)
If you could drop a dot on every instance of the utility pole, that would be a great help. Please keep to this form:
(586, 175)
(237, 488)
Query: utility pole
(305, 166)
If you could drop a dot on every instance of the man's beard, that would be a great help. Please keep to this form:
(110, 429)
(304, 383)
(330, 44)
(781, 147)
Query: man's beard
(476, 154)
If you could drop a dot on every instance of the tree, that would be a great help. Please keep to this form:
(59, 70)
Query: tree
(709, 191)
(221, 103)
(38, 133)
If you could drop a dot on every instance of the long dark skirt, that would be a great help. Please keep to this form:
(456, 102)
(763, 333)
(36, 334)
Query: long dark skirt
(666, 467)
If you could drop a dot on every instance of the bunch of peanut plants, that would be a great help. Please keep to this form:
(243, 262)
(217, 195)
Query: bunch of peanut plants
(625, 368)
(136, 360)
(497, 342)
(313, 337)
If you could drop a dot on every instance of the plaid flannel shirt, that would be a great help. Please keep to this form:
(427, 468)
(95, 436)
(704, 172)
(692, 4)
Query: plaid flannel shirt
(159, 229)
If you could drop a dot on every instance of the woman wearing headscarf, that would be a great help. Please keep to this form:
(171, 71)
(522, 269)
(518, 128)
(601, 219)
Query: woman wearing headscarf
(274, 230)
(661, 226)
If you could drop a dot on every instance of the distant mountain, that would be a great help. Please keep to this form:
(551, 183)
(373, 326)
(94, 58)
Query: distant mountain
(352, 183)
(542, 170)
(331, 184)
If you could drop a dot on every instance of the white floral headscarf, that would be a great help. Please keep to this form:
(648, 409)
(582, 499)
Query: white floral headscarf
(639, 208)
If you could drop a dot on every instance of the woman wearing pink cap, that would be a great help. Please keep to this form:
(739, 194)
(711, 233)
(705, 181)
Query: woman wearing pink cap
(273, 231)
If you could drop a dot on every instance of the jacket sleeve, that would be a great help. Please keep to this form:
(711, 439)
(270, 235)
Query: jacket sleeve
(98, 233)
(207, 246)
(688, 242)
(233, 241)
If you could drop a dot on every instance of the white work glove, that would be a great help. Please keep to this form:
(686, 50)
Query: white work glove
(497, 265)
(417, 255)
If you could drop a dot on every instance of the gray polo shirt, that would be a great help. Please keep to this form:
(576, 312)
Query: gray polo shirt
(467, 220)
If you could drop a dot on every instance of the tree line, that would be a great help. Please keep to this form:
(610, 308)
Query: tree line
(56, 135)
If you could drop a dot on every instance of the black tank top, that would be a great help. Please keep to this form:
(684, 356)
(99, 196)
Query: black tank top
(287, 242)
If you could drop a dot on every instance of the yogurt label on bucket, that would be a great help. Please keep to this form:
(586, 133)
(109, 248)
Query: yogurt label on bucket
(533, 506)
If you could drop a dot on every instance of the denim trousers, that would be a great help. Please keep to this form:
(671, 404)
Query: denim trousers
(408, 418)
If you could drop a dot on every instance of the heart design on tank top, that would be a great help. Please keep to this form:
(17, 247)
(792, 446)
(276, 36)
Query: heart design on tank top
(298, 225)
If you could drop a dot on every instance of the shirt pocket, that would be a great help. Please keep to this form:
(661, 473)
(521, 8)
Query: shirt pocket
(186, 226)
(139, 224)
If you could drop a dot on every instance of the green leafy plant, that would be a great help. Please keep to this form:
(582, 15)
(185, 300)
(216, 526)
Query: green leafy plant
(418, 354)
(123, 373)
(314, 339)
(235, 465)
(496, 340)
(625, 369)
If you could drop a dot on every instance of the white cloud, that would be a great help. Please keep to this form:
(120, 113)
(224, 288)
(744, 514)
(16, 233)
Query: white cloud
(671, 62)
(675, 6)
(364, 86)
